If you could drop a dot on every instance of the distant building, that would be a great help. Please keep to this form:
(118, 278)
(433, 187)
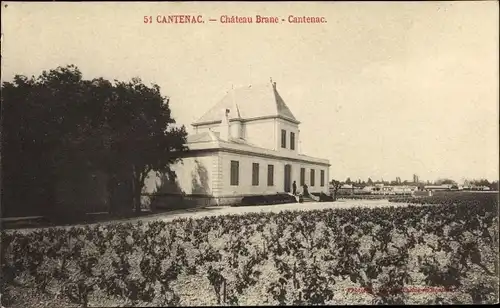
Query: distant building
(438, 187)
(247, 144)
(381, 189)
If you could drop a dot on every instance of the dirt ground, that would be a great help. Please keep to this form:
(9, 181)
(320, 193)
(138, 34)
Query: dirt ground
(240, 210)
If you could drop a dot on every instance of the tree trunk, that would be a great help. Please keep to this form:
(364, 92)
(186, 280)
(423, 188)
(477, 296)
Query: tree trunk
(137, 198)
(137, 184)
(111, 193)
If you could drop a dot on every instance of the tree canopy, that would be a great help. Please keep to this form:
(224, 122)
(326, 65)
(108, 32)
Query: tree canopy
(58, 124)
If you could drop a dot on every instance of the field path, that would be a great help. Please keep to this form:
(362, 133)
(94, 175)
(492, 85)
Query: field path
(241, 210)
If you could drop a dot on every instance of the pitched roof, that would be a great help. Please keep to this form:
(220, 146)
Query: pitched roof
(202, 137)
(249, 103)
(213, 136)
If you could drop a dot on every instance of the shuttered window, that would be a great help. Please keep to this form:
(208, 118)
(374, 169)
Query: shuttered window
(322, 179)
(255, 174)
(283, 138)
(270, 175)
(292, 141)
(312, 177)
(302, 176)
(235, 173)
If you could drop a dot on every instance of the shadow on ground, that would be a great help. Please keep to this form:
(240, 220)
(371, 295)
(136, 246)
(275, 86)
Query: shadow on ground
(42, 222)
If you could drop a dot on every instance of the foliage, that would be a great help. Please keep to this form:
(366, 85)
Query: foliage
(303, 256)
(335, 186)
(267, 199)
(58, 126)
(445, 181)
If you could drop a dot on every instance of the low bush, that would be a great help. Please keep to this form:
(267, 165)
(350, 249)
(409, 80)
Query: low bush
(323, 197)
(267, 199)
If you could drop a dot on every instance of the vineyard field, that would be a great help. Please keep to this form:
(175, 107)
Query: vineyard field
(263, 258)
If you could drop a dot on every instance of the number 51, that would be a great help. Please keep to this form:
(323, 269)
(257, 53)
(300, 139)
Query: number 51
(148, 19)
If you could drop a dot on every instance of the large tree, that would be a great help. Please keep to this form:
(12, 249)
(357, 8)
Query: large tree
(57, 125)
(145, 136)
(41, 117)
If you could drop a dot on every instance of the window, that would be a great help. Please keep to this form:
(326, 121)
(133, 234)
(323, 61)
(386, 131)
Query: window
(235, 173)
(322, 179)
(292, 141)
(270, 175)
(255, 174)
(312, 177)
(302, 176)
(283, 139)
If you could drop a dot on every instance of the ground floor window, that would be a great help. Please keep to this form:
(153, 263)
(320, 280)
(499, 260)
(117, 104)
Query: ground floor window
(235, 173)
(312, 177)
(255, 174)
(322, 179)
(270, 175)
(302, 176)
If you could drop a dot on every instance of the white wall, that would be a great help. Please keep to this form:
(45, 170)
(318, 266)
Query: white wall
(307, 180)
(261, 133)
(209, 174)
(194, 176)
(245, 186)
(264, 133)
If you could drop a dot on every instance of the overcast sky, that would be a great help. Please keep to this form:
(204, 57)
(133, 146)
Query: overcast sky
(382, 89)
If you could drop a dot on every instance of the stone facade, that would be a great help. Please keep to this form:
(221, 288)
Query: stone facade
(248, 144)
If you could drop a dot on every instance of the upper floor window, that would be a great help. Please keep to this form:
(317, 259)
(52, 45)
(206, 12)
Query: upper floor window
(255, 174)
(292, 141)
(235, 173)
(283, 139)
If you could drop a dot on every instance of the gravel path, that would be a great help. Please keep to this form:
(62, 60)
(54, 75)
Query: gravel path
(228, 210)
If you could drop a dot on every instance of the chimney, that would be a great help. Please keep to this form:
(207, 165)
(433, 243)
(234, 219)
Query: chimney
(273, 83)
(224, 125)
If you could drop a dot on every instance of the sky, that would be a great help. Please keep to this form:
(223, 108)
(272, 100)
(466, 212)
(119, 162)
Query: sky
(382, 89)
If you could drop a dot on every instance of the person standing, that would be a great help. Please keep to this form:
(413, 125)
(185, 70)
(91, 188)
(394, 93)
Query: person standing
(306, 192)
(294, 186)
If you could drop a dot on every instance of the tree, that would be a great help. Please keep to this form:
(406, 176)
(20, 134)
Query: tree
(494, 185)
(57, 126)
(335, 185)
(41, 118)
(348, 181)
(369, 182)
(445, 181)
(481, 182)
(146, 139)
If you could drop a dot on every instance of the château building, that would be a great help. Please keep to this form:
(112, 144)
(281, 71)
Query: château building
(246, 144)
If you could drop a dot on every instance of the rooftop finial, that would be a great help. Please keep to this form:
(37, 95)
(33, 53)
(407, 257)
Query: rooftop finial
(271, 78)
